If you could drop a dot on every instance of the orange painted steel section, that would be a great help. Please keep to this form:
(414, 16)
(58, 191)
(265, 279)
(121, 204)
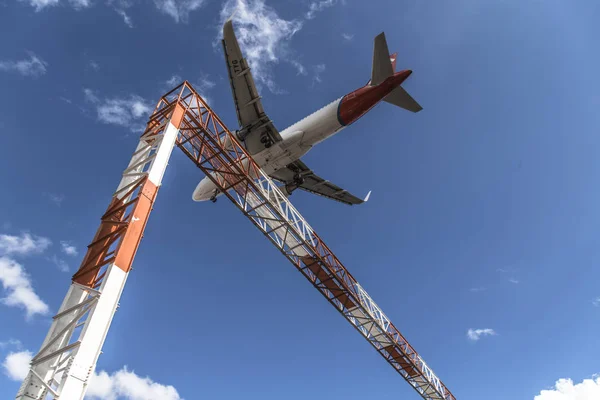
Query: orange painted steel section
(115, 226)
(135, 229)
(109, 230)
(177, 115)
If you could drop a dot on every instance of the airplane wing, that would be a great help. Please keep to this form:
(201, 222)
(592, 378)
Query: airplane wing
(315, 184)
(256, 128)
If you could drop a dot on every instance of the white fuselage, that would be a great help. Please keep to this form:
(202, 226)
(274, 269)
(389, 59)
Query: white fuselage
(298, 139)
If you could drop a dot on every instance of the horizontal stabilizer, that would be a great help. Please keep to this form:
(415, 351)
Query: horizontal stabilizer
(399, 97)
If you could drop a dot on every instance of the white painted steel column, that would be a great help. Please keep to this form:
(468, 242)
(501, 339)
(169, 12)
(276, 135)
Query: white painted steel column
(63, 366)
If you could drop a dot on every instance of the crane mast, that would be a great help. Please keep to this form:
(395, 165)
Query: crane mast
(182, 118)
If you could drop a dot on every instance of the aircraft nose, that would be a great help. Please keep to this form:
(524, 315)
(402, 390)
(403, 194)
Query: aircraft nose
(204, 190)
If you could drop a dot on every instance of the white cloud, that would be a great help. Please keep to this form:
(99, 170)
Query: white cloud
(299, 67)
(317, 6)
(318, 70)
(174, 80)
(125, 17)
(178, 9)
(23, 245)
(68, 248)
(204, 83)
(16, 365)
(596, 302)
(129, 112)
(127, 384)
(20, 293)
(122, 384)
(564, 389)
(90, 95)
(262, 35)
(33, 67)
(41, 4)
(513, 280)
(348, 36)
(11, 342)
(475, 334)
(95, 66)
(56, 198)
(60, 263)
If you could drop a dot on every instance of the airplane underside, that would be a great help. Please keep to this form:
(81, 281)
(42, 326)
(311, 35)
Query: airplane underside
(278, 153)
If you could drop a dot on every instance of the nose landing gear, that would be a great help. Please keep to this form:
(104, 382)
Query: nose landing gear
(213, 198)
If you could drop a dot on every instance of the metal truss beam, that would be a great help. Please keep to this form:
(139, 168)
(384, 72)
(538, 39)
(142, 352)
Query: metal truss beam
(68, 355)
(215, 150)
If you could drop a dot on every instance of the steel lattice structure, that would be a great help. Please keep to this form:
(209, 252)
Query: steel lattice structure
(182, 118)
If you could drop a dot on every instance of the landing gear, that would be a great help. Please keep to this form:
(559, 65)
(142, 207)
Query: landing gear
(266, 141)
(298, 179)
(213, 198)
(294, 184)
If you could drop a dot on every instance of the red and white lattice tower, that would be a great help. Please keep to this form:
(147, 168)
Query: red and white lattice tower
(67, 358)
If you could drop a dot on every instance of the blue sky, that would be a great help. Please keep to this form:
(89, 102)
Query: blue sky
(479, 240)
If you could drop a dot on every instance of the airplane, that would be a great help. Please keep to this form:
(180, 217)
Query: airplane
(278, 153)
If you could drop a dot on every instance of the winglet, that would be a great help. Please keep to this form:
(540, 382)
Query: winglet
(367, 197)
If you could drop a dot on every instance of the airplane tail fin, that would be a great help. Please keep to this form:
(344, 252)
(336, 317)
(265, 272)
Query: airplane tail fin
(383, 66)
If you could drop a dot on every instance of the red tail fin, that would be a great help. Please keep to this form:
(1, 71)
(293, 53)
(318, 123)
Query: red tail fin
(393, 61)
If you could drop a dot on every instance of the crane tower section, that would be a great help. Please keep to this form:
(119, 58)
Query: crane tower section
(65, 362)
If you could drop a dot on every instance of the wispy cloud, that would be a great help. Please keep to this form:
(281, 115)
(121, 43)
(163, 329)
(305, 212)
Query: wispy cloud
(130, 112)
(16, 365)
(125, 17)
(33, 67)
(475, 334)
(564, 389)
(23, 245)
(68, 248)
(56, 198)
(348, 36)
(11, 343)
(173, 80)
(94, 65)
(515, 281)
(204, 83)
(263, 37)
(317, 71)
(178, 9)
(60, 263)
(17, 285)
(317, 6)
(596, 302)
